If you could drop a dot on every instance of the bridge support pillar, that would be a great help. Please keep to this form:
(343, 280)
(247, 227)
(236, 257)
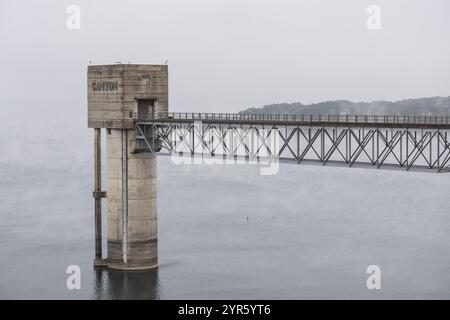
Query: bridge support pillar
(131, 204)
(98, 195)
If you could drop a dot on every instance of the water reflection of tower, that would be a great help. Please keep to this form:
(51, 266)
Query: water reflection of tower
(115, 284)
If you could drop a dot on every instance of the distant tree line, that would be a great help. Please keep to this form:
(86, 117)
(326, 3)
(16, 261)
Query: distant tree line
(420, 106)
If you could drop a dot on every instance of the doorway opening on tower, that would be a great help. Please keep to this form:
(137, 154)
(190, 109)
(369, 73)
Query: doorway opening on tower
(146, 109)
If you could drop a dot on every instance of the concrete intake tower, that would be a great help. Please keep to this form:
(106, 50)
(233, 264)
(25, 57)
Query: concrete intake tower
(118, 95)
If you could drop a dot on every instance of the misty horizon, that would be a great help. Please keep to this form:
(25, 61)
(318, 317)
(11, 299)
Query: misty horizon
(227, 56)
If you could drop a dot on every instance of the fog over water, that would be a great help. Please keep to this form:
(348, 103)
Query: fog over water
(224, 231)
(311, 230)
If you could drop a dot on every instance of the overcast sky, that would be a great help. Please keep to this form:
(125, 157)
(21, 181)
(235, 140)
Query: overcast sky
(227, 55)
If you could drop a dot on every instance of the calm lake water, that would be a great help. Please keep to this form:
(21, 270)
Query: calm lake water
(311, 231)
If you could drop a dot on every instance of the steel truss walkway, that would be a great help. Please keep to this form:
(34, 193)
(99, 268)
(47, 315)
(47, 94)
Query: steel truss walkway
(399, 142)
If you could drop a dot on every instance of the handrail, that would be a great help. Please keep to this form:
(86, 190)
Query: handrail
(370, 119)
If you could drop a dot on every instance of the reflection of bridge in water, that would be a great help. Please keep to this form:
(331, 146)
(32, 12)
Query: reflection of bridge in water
(404, 142)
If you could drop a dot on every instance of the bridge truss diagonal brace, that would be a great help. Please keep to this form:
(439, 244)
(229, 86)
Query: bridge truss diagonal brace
(377, 147)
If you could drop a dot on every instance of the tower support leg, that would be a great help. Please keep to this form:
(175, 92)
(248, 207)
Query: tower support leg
(98, 195)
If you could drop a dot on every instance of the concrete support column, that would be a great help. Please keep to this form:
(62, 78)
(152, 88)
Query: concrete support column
(98, 196)
(141, 244)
